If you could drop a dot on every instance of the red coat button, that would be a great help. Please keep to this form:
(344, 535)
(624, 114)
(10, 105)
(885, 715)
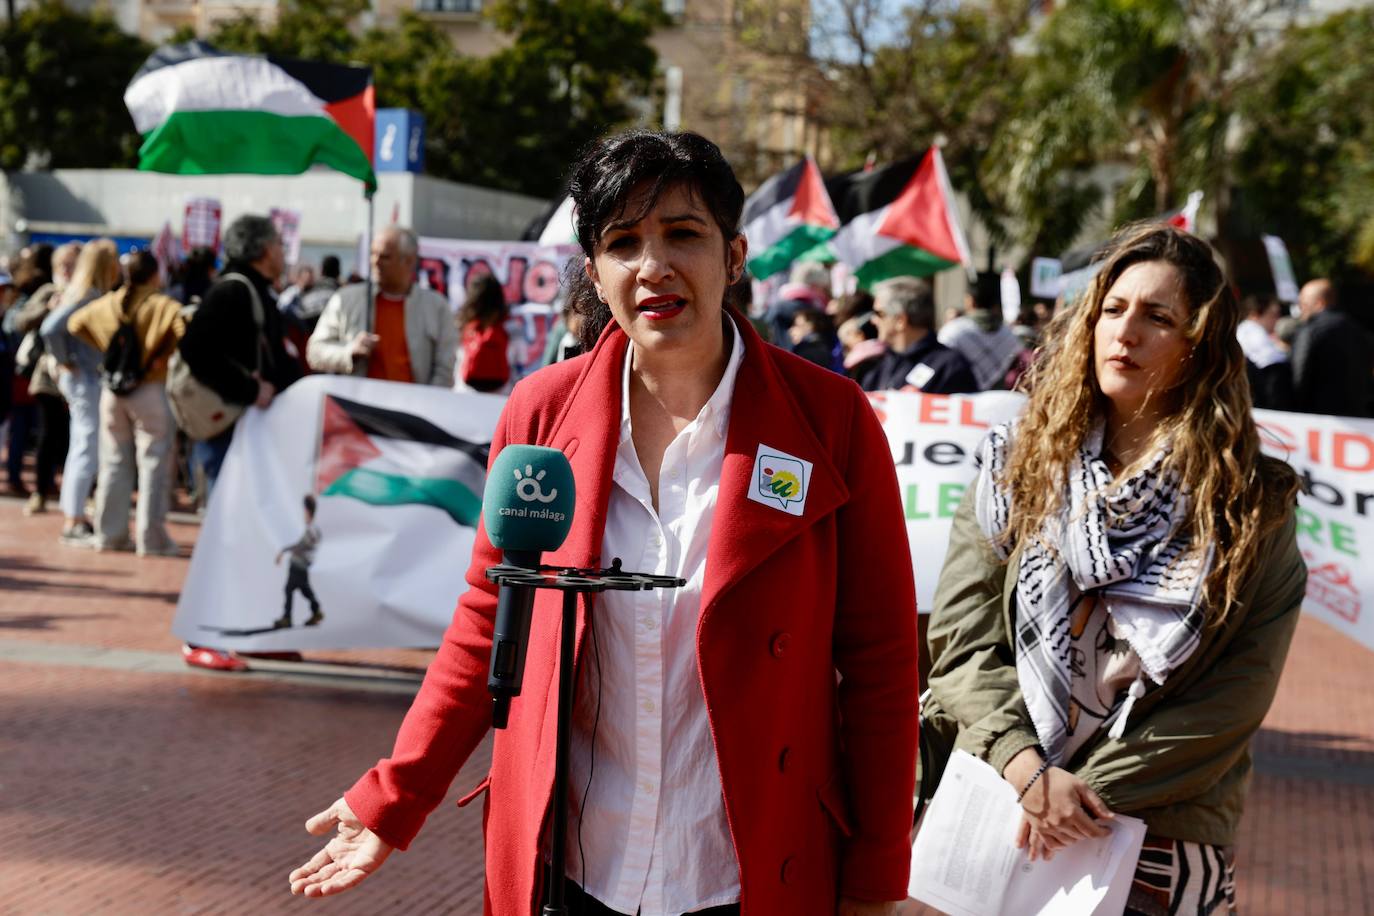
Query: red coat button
(782, 760)
(788, 870)
(780, 644)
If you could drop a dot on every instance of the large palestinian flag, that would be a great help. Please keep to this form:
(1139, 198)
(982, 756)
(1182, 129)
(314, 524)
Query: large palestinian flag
(899, 220)
(202, 112)
(389, 458)
(789, 214)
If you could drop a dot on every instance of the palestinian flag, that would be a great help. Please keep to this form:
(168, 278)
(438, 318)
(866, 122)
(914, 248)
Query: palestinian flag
(202, 112)
(899, 221)
(789, 214)
(1185, 218)
(390, 458)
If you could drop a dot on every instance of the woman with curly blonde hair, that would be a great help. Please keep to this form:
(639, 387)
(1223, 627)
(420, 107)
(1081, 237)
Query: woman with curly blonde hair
(1123, 580)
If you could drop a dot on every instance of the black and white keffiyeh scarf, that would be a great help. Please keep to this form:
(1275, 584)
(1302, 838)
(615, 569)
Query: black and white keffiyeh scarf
(1121, 542)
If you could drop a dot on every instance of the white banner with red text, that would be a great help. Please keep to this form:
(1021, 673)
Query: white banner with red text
(390, 561)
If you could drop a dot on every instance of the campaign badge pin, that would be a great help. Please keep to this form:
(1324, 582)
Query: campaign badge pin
(781, 481)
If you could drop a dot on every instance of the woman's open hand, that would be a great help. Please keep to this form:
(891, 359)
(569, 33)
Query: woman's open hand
(354, 853)
(1058, 810)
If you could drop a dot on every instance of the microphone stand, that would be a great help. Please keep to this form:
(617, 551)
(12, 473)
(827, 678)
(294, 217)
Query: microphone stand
(572, 582)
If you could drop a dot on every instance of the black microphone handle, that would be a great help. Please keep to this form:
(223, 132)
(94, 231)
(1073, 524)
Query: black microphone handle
(510, 637)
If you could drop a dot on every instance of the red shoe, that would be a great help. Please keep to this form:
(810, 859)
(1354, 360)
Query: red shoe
(214, 659)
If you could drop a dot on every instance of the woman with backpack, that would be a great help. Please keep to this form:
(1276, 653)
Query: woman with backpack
(136, 328)
(484, 341)
(78, 378)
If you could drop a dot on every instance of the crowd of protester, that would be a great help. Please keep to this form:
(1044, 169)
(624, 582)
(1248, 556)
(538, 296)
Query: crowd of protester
(88, 335)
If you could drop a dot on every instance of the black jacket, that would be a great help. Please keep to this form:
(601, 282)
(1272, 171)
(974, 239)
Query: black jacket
(928, 366)
(221, 339)
(1332, 361)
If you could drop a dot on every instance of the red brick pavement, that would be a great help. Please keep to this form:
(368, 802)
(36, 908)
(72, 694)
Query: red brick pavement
(177, 791)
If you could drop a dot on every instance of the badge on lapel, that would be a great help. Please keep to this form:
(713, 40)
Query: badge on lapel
(780, 481)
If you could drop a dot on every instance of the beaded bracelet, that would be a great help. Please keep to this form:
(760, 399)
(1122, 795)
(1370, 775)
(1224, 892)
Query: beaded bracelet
(1038, 773)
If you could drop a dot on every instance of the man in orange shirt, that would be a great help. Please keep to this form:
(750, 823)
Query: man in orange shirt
(405, 334)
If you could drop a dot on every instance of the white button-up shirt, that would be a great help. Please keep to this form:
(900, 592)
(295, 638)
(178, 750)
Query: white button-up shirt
(654, 838)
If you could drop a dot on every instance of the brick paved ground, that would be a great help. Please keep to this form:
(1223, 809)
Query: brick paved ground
(131, 784)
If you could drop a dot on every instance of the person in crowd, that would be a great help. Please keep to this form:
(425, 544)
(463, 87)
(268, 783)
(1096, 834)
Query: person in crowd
(563, 340)
(992, 349)
(32, 273)
(1044, 313)
(244, 363)
(136, 428)
(8, 294)
(853, 305)
(809, 335)
(312, 303)
(197, 272)
(904, 311)
(808, 287)
(1027, 327)
(482, 328)
(1266, 358)
(671, 410)
(862, 350)
(78, 378)
(223, 342)
(1123, 579)
(405, 334)
(41, 368)
(1333, 357)
(302, 282)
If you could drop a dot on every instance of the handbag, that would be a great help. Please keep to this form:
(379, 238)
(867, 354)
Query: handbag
(197, 408)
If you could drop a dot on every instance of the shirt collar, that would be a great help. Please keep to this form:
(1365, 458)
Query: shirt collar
(717, 407)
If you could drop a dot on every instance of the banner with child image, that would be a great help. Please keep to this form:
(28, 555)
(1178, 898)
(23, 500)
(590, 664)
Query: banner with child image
(344, 517)
(376, 556)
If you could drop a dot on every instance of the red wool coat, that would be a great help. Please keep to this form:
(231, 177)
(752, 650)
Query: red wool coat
(817, 772)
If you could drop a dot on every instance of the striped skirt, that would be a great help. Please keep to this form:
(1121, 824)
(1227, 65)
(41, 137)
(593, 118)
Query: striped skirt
(1177, 878)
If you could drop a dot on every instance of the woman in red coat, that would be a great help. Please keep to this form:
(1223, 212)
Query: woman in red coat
(745, 744)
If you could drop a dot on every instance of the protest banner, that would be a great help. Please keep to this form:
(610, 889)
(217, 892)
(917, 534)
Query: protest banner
(529, 274)
(1281, 266)
(388, 573)
(200, 227)
(396, 472)
(934, 439)
(1334, 458)
(288, 223)
(1044, 277)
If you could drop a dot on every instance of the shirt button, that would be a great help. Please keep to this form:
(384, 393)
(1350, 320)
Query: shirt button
(646, 786)
(781, 642)
(648, 705)
(649, 623)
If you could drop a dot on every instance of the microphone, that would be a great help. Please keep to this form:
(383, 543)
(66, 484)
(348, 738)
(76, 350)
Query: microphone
(527, 508)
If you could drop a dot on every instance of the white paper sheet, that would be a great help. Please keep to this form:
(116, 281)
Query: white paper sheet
(965, 861)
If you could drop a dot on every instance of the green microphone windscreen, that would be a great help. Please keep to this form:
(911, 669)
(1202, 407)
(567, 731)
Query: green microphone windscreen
(528, 500)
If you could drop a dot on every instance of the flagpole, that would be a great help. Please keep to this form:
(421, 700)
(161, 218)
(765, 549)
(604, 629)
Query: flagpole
(367, 265)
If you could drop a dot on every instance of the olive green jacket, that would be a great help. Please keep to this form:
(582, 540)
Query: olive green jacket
(1184, 763)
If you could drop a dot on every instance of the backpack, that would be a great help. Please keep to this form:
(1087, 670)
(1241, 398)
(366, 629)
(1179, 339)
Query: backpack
(197, 408)
(121, 366)
(484, 353)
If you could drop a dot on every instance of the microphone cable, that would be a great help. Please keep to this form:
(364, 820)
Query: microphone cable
(591, 752)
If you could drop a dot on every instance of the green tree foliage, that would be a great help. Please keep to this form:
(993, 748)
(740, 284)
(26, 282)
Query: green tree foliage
(62, 79)
(947, 72)
(572, 73)
(513, 120)
(1306, 168)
